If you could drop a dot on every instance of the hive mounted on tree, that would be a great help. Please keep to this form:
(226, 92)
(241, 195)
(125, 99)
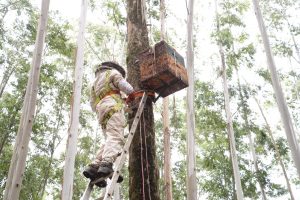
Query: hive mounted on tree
(162, 69)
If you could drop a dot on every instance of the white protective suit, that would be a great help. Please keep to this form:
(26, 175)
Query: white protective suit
(106, 101)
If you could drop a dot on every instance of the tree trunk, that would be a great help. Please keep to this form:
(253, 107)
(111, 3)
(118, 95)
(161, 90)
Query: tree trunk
(191, 156)
(53, 147)
(276, 149)
(6, 75)
(143, 169)
(166, 121)
(294, 43)
(230, 131)
(12, 122)
(234, 160)
(247, 126)
(280, 99)
(17, 166)
(67, 187)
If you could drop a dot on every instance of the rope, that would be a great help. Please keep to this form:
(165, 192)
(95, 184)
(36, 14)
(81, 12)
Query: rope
(147, 164)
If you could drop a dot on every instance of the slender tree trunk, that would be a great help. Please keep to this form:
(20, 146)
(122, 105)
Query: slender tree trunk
(52, 150)
(281, 102)
(234, 160)
(6, 75)
(233, 154)
(42, 187)
(3, 141)
(166, 120)
(234, 194)
(191, 156)
(17, 166)
(143, 169)
(252, 147)
(12, 122)
(67, 187)
(294, 43)
(276, 149)
(292, 35)
(167, 151)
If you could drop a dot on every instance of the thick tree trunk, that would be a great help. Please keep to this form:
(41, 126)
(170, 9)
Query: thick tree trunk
(276, 150)
(166, 121)
(17, 166)
(143, 169)
(280, 99)
(67, 187)
(191, 156)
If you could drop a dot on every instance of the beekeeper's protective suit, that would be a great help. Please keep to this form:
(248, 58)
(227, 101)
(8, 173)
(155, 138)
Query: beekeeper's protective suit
(106, 101)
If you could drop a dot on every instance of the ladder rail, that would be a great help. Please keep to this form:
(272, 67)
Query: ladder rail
(121, 160)
(88, 191)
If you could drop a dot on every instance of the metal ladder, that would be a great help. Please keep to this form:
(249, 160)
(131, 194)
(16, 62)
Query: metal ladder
(121, 159)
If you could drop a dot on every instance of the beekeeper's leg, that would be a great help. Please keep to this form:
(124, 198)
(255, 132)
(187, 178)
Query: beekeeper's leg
(98, 158)
(114, 142)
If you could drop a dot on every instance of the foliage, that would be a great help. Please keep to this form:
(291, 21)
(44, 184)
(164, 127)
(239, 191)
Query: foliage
(107, 41)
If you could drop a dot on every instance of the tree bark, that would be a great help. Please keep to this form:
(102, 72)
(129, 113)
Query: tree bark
(280, 99)
(191, 156)
(143, 169)
(17, 166)
(67, 187)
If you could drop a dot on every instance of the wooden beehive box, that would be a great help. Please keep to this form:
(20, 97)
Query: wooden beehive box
(162, 69)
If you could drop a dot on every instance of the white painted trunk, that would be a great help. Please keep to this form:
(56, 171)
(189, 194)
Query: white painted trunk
(67, 188)
(191, 156)
(166, 120)
(276, 150)
(281, 102)
(17, 166)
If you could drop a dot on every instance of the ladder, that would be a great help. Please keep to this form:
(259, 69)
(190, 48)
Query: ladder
(120, 160)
